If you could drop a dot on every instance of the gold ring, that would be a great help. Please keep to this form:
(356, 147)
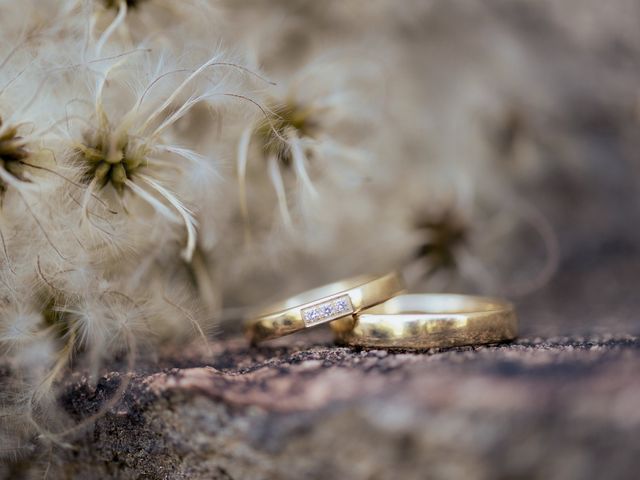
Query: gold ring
(430, 321)
(321, 305)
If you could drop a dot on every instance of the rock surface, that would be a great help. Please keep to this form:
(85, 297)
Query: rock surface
(561, 408)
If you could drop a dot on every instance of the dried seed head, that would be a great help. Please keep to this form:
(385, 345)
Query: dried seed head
(115, 4)
(13, 151)
(286, 118)
(109, 159)
(442, 234)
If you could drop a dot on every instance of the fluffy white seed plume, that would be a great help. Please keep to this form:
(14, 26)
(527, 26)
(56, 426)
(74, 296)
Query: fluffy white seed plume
(311, 145)
(98, 190)
(25, 117)
(118, 134)
(164, 22)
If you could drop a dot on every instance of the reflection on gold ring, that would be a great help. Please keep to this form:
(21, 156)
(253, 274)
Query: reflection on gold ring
(429, 321)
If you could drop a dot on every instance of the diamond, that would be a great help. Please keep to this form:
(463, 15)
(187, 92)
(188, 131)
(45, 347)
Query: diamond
(341, 305)
(327, 310)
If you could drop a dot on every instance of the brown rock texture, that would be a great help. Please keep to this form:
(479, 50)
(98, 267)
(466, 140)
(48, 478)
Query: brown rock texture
(560, 408)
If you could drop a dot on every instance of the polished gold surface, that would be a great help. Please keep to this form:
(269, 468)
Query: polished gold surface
(321, 305)
(430, 321)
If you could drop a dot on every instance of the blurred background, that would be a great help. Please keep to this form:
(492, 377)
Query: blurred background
(509, 148)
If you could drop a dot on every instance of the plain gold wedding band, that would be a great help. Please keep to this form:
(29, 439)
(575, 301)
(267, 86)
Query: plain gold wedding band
(430, 321)
(321, 305)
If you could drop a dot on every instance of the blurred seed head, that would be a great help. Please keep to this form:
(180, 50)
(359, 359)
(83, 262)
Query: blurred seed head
(441, 234)
(13, 151)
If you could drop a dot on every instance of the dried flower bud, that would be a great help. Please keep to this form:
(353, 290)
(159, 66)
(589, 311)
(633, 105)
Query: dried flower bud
(13, 151)
(286, 119)
(115, 4)
(108, 161)
(441, 235)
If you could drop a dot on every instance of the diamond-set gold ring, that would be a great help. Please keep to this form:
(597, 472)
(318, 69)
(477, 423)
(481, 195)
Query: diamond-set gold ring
(321, 305)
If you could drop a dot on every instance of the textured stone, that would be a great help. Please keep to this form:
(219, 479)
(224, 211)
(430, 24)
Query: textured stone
(559, 408)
